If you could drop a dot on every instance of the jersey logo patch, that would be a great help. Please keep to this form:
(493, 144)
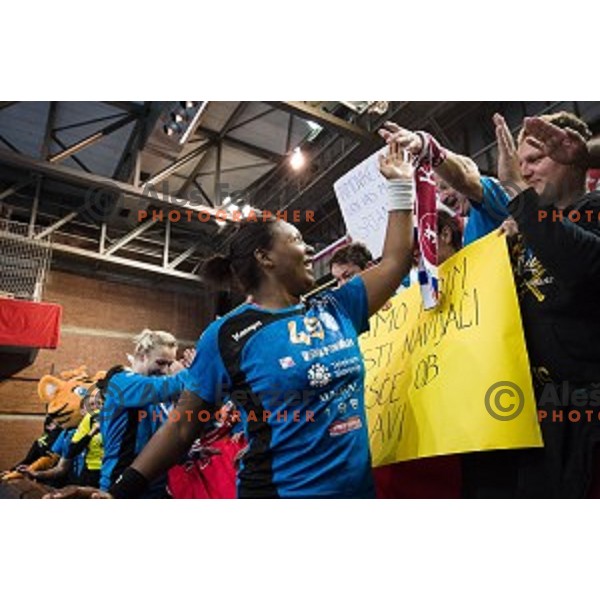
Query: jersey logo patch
(287, 362)
(318, 375)
(313, 329)
(238, 335)
(344, 427)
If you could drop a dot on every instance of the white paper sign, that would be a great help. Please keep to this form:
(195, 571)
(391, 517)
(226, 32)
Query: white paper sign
(362, 198)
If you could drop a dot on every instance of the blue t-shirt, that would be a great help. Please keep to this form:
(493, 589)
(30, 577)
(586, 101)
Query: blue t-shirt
(489, 214)
(61, 447)
(135, 406)
(296, 376)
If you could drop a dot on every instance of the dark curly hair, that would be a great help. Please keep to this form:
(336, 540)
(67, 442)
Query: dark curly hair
(355, 253)
(239, 267)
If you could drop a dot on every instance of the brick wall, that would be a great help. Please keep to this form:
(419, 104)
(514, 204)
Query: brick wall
(99, 320)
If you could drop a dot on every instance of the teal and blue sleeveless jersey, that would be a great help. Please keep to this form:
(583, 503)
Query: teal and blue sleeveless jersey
(297, 377)
(489, 214)
(135, 406)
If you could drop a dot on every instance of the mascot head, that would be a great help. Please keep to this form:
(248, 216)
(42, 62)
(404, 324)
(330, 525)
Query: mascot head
(64, 395)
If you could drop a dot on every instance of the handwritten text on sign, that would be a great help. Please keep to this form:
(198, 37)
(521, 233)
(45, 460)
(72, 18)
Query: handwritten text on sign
(362, 198)
(428, 371)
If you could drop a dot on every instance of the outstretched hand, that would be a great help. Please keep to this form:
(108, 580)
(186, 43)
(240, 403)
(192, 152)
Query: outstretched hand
(509, 228)
(394, 165)
(75, 492)
(565, 146)
(188, 357)
(406, 139)
(509, 172)
(185, 362)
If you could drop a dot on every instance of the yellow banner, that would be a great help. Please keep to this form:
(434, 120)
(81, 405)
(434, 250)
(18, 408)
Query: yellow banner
(455, 378)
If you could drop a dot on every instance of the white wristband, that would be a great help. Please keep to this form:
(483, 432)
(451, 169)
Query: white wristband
(401, 194)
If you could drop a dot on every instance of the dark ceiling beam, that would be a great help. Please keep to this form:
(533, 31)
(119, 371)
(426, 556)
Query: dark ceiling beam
(251, 119)
(129, 161)
(130, 107)
(90, 139)
(9, 144)
(240, 145)
(178, 164)
(217, 141)
(79, 124)
(247, 167)
(50, 120)
(305, 111)
(91, 181)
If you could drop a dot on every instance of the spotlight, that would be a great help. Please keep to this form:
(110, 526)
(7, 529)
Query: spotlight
(184, 119)
(178, 117)
(297, 159)
(246, 210)
(172, 128)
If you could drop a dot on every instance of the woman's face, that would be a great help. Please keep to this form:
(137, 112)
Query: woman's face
(157, 362)
(291, 259)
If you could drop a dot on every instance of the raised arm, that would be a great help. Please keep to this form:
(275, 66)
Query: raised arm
(131, 390)
(459, 172)
(382, 280)
(565, 146)
(569, 251)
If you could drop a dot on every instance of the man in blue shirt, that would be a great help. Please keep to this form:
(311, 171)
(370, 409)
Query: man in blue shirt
(459, 176)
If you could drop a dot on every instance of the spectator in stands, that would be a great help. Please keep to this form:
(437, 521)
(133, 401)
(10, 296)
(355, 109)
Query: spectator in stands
(566, 142)
(557, 273)
(350, 260)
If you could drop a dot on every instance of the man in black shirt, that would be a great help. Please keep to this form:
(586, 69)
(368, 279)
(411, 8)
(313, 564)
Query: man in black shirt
(557, 271)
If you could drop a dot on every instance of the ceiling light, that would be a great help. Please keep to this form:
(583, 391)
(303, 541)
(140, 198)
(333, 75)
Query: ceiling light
(297, 159)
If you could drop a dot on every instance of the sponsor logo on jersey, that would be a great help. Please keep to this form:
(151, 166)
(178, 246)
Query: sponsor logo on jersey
(238, 335)
(318, 375)
(343, 427)
(287, 362)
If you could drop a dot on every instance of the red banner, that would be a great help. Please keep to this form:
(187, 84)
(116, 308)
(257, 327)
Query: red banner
(30, 324)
